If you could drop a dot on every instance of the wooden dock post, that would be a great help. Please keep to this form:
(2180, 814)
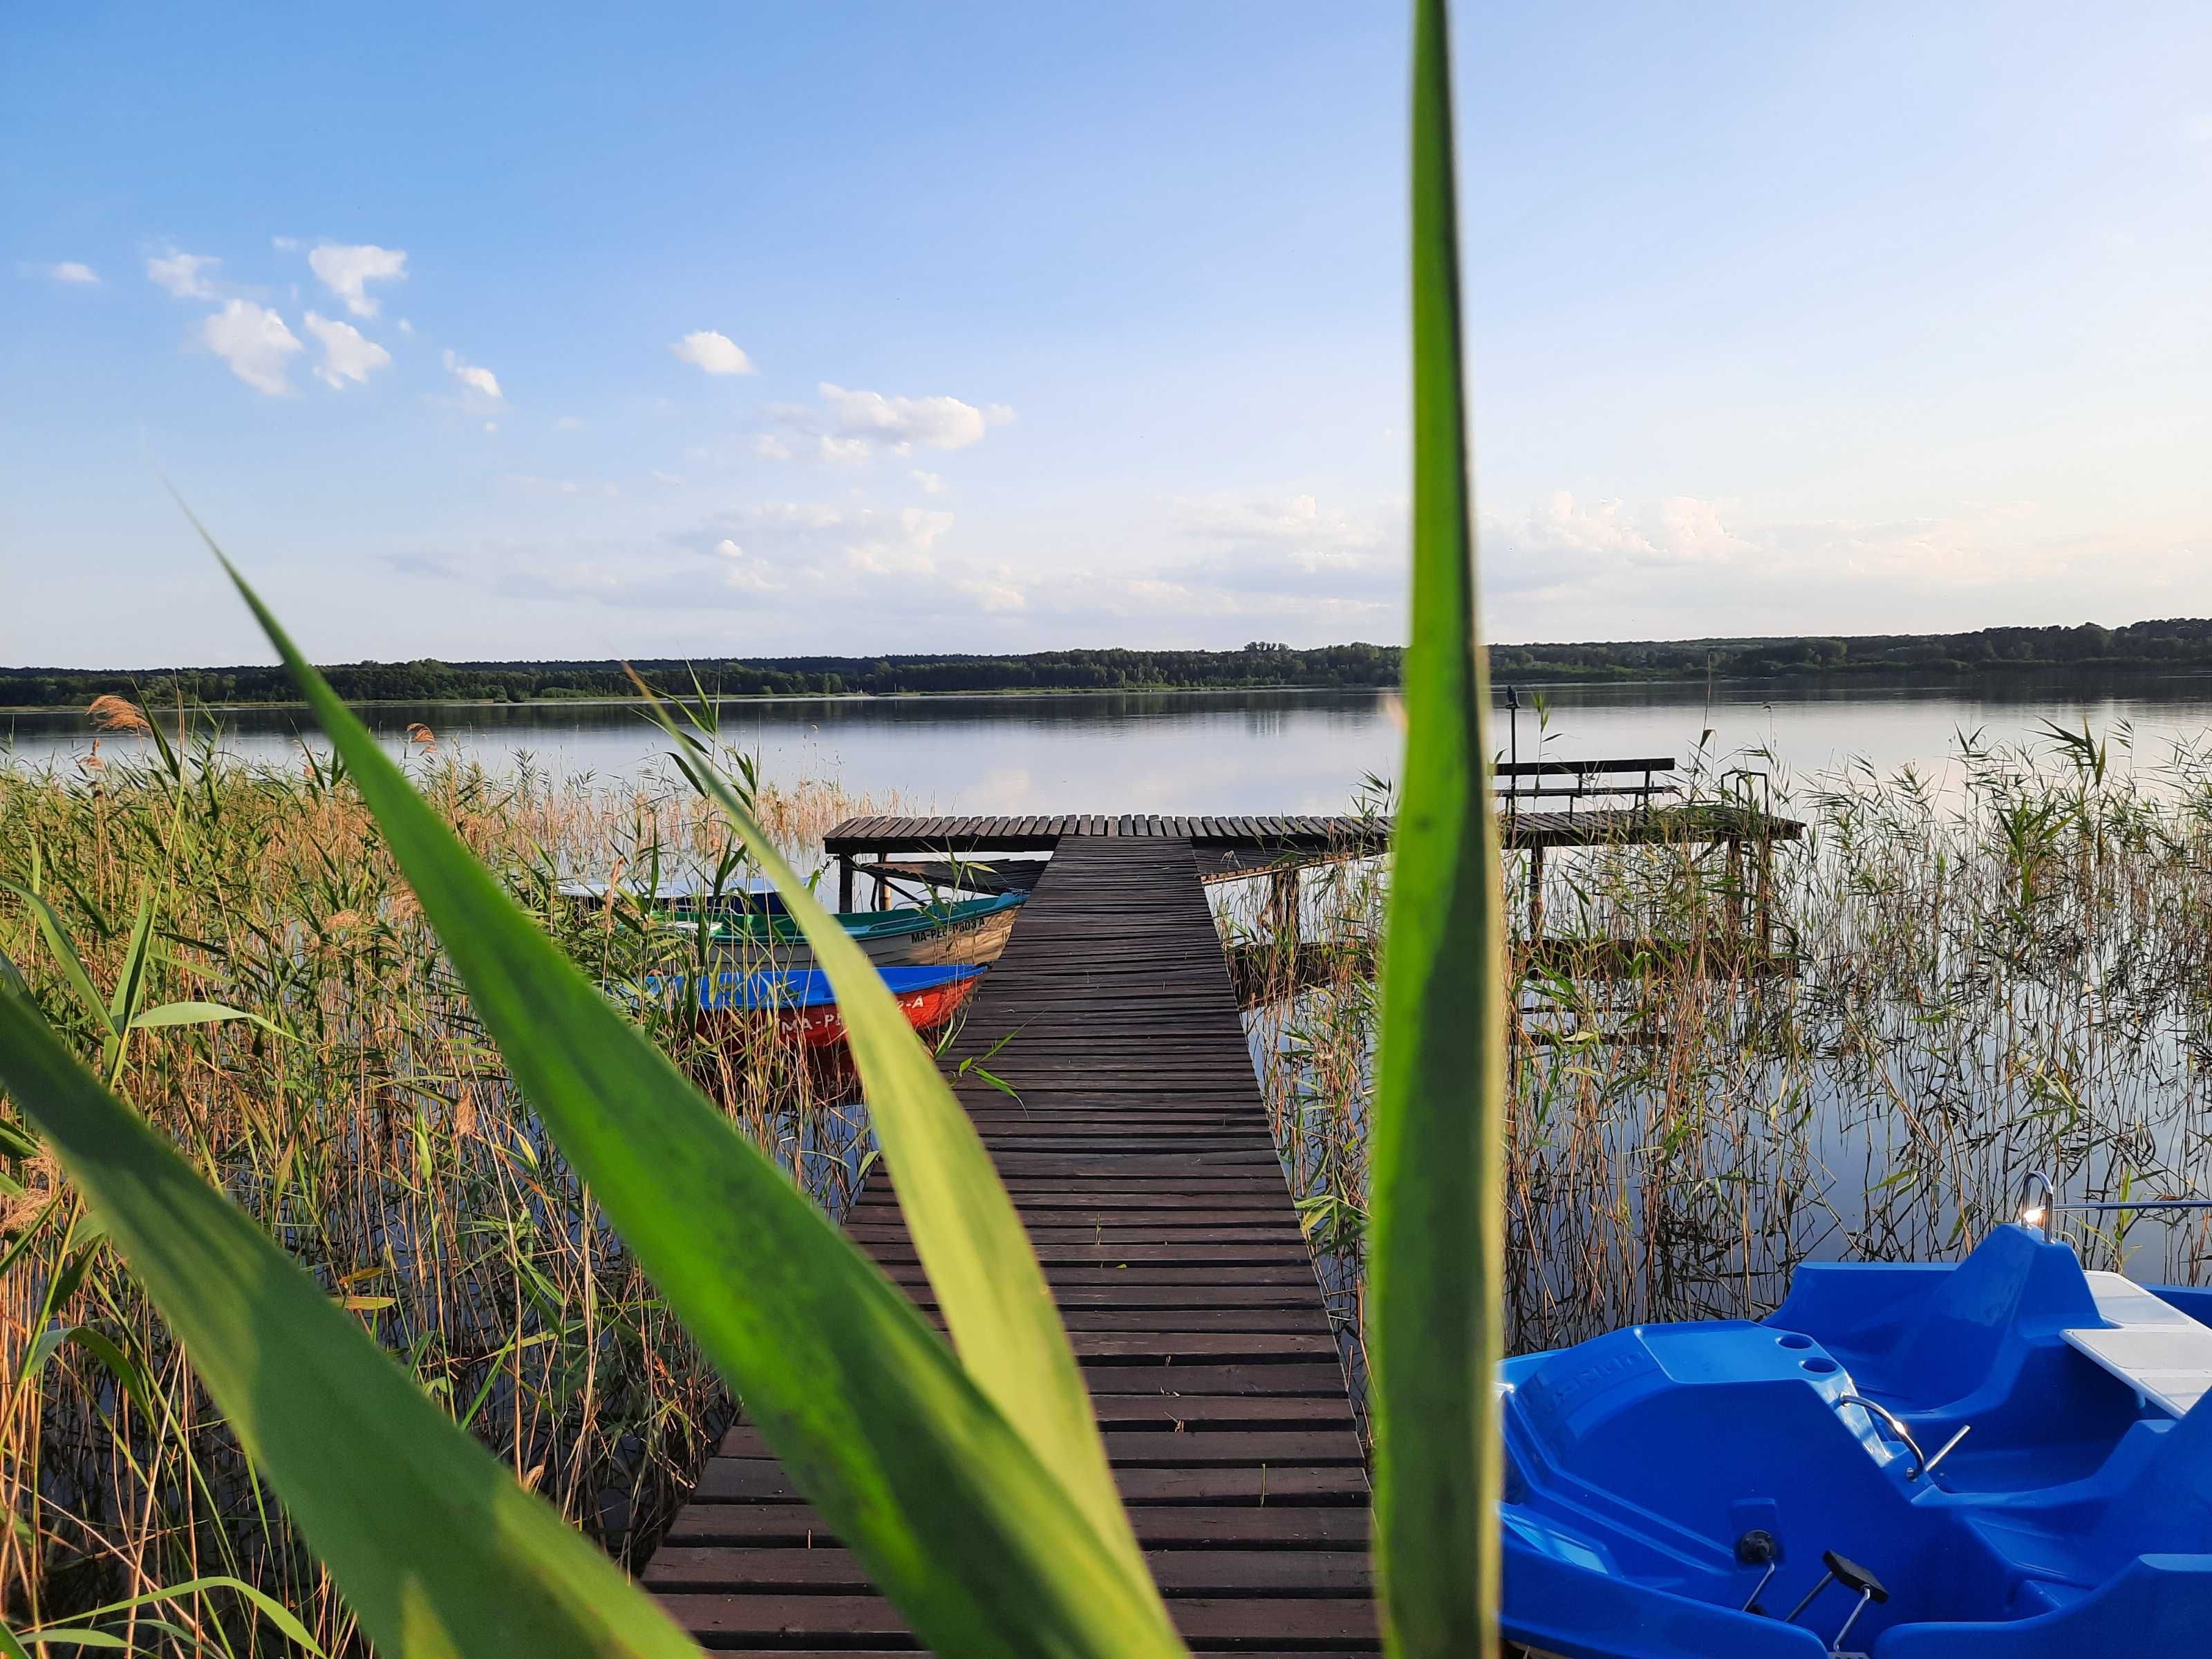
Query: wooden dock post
(1283, 906)
(1764, 896)
(844, 881)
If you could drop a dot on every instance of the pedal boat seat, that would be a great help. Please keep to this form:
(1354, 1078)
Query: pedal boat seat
(2149, 1344)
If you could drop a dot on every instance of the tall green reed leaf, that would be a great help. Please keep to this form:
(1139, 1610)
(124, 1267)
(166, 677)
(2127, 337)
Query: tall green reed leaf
(956, 1516)
(436, 1547)
(1436, 1272)
(985, 1276)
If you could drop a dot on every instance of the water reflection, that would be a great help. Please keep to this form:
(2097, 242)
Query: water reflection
(1243, 751)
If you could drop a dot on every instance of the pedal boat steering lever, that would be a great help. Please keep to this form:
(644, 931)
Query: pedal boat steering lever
(1897, 1429)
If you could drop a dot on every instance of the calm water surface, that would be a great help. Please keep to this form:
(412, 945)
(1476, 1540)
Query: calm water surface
(1264, 752)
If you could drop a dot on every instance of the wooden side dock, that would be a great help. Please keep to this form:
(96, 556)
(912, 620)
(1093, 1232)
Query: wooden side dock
(1140, 1156)
(1228, 847)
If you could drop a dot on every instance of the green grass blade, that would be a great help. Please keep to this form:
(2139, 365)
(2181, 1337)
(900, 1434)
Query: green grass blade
(970, 1240)
(204, 1013)
(1434, 1271)
(275, 1612)
(65, 955)
(130, 983)
(436, 1548)
(945, 1501)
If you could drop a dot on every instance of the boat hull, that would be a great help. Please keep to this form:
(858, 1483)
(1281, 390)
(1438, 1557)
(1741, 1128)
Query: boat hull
(1655, 1474)
(961, 936)
(803, 1005)
(927, 1010)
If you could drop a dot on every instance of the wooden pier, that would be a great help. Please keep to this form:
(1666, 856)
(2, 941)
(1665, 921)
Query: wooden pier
(1140, 1156)
(956, 852)
(959, 852)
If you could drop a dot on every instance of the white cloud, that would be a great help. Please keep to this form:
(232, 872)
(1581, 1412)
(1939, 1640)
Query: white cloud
(769, 447)
(406, 327)
(285, 243)
(1293, 544)
(531, 483)
(717, 354)
(825, 544)
(670, 479)
(743, 574)
(930, 483)
(183, 275)
(348, 355)
(253, 340)
(1560, 540)
(1691, 531)
(69, 271)
(923, 527)
(481, 381)
(994, 596)
(1295, 518)
(843, 452)
(346, 271)
(937, 422)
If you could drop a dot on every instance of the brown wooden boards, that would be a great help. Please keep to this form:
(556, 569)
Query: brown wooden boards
(1230, 847)
(1136, 1148)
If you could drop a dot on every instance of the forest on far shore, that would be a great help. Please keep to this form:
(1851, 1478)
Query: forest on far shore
(2180, 643)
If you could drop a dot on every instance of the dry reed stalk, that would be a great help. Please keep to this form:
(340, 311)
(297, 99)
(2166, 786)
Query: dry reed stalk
(381, 1144)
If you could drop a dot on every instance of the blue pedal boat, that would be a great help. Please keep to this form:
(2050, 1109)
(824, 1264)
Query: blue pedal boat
(2005, 1458)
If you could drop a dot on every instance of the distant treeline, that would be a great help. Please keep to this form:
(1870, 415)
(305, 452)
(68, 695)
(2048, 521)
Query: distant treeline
(2180, 643)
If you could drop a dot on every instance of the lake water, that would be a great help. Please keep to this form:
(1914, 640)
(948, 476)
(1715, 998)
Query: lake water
(1221, 753)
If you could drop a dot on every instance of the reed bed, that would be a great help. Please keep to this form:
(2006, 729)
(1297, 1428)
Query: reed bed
(2001, 967)
(371, 1128)
(2004, 970)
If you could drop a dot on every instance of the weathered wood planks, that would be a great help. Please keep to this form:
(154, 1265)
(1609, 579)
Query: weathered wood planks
(1139, 1157)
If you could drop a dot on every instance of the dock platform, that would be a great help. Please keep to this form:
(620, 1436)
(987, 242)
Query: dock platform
(1139, 1156)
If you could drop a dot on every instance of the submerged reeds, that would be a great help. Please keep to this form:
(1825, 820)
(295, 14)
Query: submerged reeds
(2008, 971)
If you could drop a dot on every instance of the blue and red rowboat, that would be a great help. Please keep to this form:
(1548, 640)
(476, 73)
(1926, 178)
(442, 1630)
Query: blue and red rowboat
(801, 1000)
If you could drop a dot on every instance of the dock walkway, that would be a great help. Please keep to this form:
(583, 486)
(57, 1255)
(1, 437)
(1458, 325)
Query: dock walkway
(1139, 1156)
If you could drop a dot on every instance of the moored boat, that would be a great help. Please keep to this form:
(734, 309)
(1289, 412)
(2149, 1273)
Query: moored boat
(802, 1001)
(2002, 1459)
(749, 928)
(966, 933)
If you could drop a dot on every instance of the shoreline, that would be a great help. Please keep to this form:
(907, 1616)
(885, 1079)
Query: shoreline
(1884, 678)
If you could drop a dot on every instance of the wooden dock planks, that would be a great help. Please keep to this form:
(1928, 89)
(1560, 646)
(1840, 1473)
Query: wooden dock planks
(1139, 1156)
(1227, 845)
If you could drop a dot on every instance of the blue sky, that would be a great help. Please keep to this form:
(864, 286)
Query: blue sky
(568, 330)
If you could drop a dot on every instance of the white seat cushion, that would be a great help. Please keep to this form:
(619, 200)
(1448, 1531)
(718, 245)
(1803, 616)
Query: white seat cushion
(2151, 1346)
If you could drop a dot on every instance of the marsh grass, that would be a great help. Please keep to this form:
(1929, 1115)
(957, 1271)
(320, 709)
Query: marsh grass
(374, 1133)
(2004, 965)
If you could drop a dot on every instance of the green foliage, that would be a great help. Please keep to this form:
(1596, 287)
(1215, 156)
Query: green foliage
(2175, 642)
(955, 1514)
(427, 681)
(973, 1488)
(436, 1547)
(985, 1276)
(1435, 1202)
